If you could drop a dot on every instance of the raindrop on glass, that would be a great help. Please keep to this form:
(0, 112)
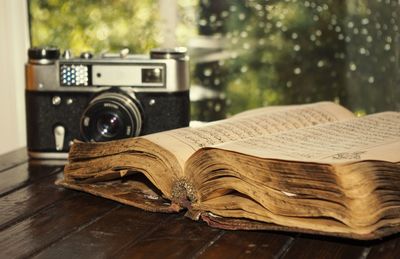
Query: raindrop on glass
(207, 72)
(364, 21)
(371, 79)
(350, 24)
(352, 66)
(202, 22)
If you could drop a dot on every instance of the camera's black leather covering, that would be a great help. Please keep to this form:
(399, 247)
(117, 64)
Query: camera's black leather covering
(169, 111)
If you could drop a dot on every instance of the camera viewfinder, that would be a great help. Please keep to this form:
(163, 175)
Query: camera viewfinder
(152, 75)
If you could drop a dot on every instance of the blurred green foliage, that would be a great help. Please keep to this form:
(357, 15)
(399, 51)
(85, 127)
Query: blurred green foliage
(290, 51)
(280, 51)
(95, 25)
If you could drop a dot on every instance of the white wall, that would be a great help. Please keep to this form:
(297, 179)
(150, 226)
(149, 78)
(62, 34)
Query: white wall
(14, 42)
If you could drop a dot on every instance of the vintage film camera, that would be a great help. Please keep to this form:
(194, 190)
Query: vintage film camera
(102, 98)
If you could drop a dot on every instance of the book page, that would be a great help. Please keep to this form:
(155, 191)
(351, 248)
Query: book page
(373, 137)
(185, 141)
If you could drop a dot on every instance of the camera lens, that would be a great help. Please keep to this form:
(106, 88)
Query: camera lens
(111, 116)
(109, 124)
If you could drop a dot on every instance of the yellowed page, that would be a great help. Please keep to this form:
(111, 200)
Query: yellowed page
(184, 142)
(373, 137)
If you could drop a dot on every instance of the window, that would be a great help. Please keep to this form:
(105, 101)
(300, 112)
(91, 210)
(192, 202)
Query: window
(250, 53)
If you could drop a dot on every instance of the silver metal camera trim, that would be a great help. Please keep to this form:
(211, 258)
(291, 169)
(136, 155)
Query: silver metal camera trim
(48, 155)
(44, 76)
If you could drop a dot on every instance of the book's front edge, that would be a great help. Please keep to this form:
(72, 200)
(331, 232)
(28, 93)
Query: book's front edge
(135, 196)
(246, 224)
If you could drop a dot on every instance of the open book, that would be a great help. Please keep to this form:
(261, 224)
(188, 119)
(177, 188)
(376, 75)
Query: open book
(312, 168)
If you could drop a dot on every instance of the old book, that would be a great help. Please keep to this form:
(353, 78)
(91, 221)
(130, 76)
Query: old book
(312, 168)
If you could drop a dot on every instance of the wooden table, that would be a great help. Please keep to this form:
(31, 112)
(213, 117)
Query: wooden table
(40, 219)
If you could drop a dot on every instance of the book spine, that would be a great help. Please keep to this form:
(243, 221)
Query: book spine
(183, 193)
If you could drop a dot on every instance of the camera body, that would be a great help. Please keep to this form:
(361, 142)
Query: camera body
(102, 98)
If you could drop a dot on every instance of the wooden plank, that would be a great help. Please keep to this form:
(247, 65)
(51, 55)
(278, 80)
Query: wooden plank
(50, 225)
(387, 248)
(178, 237)
(109, 234)
(324, 247)
(24, 202)
(257, 244)
(13, 158)
(23, 175)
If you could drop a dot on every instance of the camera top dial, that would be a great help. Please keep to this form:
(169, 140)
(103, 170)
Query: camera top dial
(169, 53)
(43, 55)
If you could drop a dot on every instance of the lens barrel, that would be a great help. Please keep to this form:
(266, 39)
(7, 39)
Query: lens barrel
(111, 116)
